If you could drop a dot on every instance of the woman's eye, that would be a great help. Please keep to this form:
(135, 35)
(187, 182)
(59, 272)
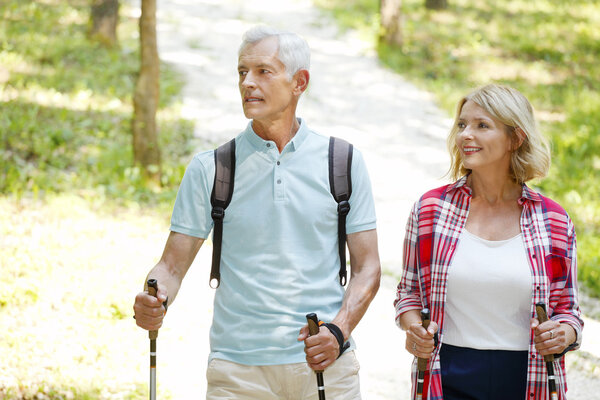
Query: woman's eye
(461, 125)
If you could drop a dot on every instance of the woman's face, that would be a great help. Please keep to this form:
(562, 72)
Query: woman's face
(482, 140)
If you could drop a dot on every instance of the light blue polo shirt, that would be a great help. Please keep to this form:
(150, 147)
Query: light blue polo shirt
(279, 256)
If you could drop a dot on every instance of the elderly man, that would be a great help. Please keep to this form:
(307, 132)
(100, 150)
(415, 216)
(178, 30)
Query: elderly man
(280, 255)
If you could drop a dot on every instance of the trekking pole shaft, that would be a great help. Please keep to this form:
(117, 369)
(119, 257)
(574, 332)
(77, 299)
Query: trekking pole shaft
(422, 362)
(313, 329)
(152, 289)
(540, 309)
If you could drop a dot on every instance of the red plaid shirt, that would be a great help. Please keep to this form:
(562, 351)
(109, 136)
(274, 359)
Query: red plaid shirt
(432, 233)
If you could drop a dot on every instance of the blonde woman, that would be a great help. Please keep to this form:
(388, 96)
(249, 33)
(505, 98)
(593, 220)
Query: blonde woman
(481, 252)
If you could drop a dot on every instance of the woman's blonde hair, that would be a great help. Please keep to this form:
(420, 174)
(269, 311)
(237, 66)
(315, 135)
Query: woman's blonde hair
(532, 158)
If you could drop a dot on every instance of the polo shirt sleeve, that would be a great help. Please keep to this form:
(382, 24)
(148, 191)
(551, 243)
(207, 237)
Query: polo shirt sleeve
(191, 213)
(362, 206)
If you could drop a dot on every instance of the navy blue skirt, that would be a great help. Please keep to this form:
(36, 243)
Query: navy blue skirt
(471, 374)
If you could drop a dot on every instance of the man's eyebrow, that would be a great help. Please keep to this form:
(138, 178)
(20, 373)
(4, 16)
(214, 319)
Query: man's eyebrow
(261, 65)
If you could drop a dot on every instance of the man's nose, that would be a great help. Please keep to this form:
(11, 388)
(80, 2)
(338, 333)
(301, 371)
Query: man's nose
(248, 81)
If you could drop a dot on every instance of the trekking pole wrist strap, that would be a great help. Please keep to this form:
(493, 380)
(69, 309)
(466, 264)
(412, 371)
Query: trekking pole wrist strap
(337, 332)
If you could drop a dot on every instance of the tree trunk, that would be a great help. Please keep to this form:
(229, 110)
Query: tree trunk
(436, 4)
(105, 17)
(391, 22)
(146, 152)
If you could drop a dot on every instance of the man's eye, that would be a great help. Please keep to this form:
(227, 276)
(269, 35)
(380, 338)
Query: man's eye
(242, 73)
(264, 71)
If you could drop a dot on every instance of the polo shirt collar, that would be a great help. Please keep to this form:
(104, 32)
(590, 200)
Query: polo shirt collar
(259, 143)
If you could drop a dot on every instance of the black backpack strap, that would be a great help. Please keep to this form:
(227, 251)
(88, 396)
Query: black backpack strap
(220, 199)
(340, 182)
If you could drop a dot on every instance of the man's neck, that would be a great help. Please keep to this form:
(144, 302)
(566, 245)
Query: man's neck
(280, 131)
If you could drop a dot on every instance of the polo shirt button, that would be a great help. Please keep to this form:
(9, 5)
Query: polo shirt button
(278, 180)
(268, 144)
(278, 163)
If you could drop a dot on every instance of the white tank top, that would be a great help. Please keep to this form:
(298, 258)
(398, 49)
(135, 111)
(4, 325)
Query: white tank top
(488, 301)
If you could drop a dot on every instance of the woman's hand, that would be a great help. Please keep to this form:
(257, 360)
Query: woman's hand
(552, 337)
(419, 341)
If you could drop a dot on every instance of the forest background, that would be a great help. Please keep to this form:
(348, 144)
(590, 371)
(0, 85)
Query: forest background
(66, 159)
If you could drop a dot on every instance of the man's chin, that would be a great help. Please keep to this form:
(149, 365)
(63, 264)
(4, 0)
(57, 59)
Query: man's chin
(251, 114)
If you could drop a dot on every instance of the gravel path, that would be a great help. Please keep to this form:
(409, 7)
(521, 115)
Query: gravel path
(397, 127)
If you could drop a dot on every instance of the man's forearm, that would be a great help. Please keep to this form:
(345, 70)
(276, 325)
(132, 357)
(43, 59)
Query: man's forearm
(362, 288)
(166, 277)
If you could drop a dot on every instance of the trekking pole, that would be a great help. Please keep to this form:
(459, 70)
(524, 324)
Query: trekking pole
(152, 289)
(540, 309)
(422, 362)
(313, 329)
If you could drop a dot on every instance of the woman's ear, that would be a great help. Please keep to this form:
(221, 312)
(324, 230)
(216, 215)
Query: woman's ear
(518, 138)
(301, 79)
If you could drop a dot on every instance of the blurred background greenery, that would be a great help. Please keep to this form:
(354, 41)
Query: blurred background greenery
(549, 50)
(67, 175)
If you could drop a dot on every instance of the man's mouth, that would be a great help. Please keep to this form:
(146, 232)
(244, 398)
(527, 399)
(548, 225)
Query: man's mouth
(252, 99)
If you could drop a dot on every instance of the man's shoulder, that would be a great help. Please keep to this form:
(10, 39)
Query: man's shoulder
(202, 162)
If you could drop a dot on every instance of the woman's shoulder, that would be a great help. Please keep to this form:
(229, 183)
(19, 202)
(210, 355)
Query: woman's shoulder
(548, 206)
(441, 194)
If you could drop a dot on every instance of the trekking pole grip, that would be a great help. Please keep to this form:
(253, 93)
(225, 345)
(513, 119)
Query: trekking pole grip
(313, 325)
(152, 291)
(425, 319)
(540, 309)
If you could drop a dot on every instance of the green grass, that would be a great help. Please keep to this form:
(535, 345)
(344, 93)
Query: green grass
(69, 274)
(548, 50)
(75, 214)
(67, 107)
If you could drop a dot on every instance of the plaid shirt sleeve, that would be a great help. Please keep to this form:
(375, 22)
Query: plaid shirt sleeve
(563, 288)
(408, 295)
(551, 245)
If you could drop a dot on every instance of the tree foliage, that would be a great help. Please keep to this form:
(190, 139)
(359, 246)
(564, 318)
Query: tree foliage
(66, 107)
(547, 49)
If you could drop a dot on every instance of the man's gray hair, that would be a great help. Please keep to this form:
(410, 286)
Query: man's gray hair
(293, 51)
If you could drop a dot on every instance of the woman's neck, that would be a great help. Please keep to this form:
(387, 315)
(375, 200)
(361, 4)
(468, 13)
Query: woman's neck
(494, 189)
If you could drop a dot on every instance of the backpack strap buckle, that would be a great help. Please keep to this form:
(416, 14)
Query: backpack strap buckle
(343, 207)
(217, 213)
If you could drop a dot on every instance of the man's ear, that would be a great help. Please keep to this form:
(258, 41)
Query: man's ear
(518, 139)
(301, 79)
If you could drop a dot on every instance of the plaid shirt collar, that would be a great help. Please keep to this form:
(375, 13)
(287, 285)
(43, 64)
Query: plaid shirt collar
(526, 195)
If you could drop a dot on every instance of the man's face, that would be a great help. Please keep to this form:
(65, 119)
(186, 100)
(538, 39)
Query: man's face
(266, 90)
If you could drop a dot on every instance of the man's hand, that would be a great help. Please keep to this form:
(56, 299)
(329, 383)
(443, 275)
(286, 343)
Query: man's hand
(149, 310)
(321, 350)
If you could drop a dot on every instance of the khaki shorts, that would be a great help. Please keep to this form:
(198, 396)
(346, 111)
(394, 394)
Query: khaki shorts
(232, 381)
